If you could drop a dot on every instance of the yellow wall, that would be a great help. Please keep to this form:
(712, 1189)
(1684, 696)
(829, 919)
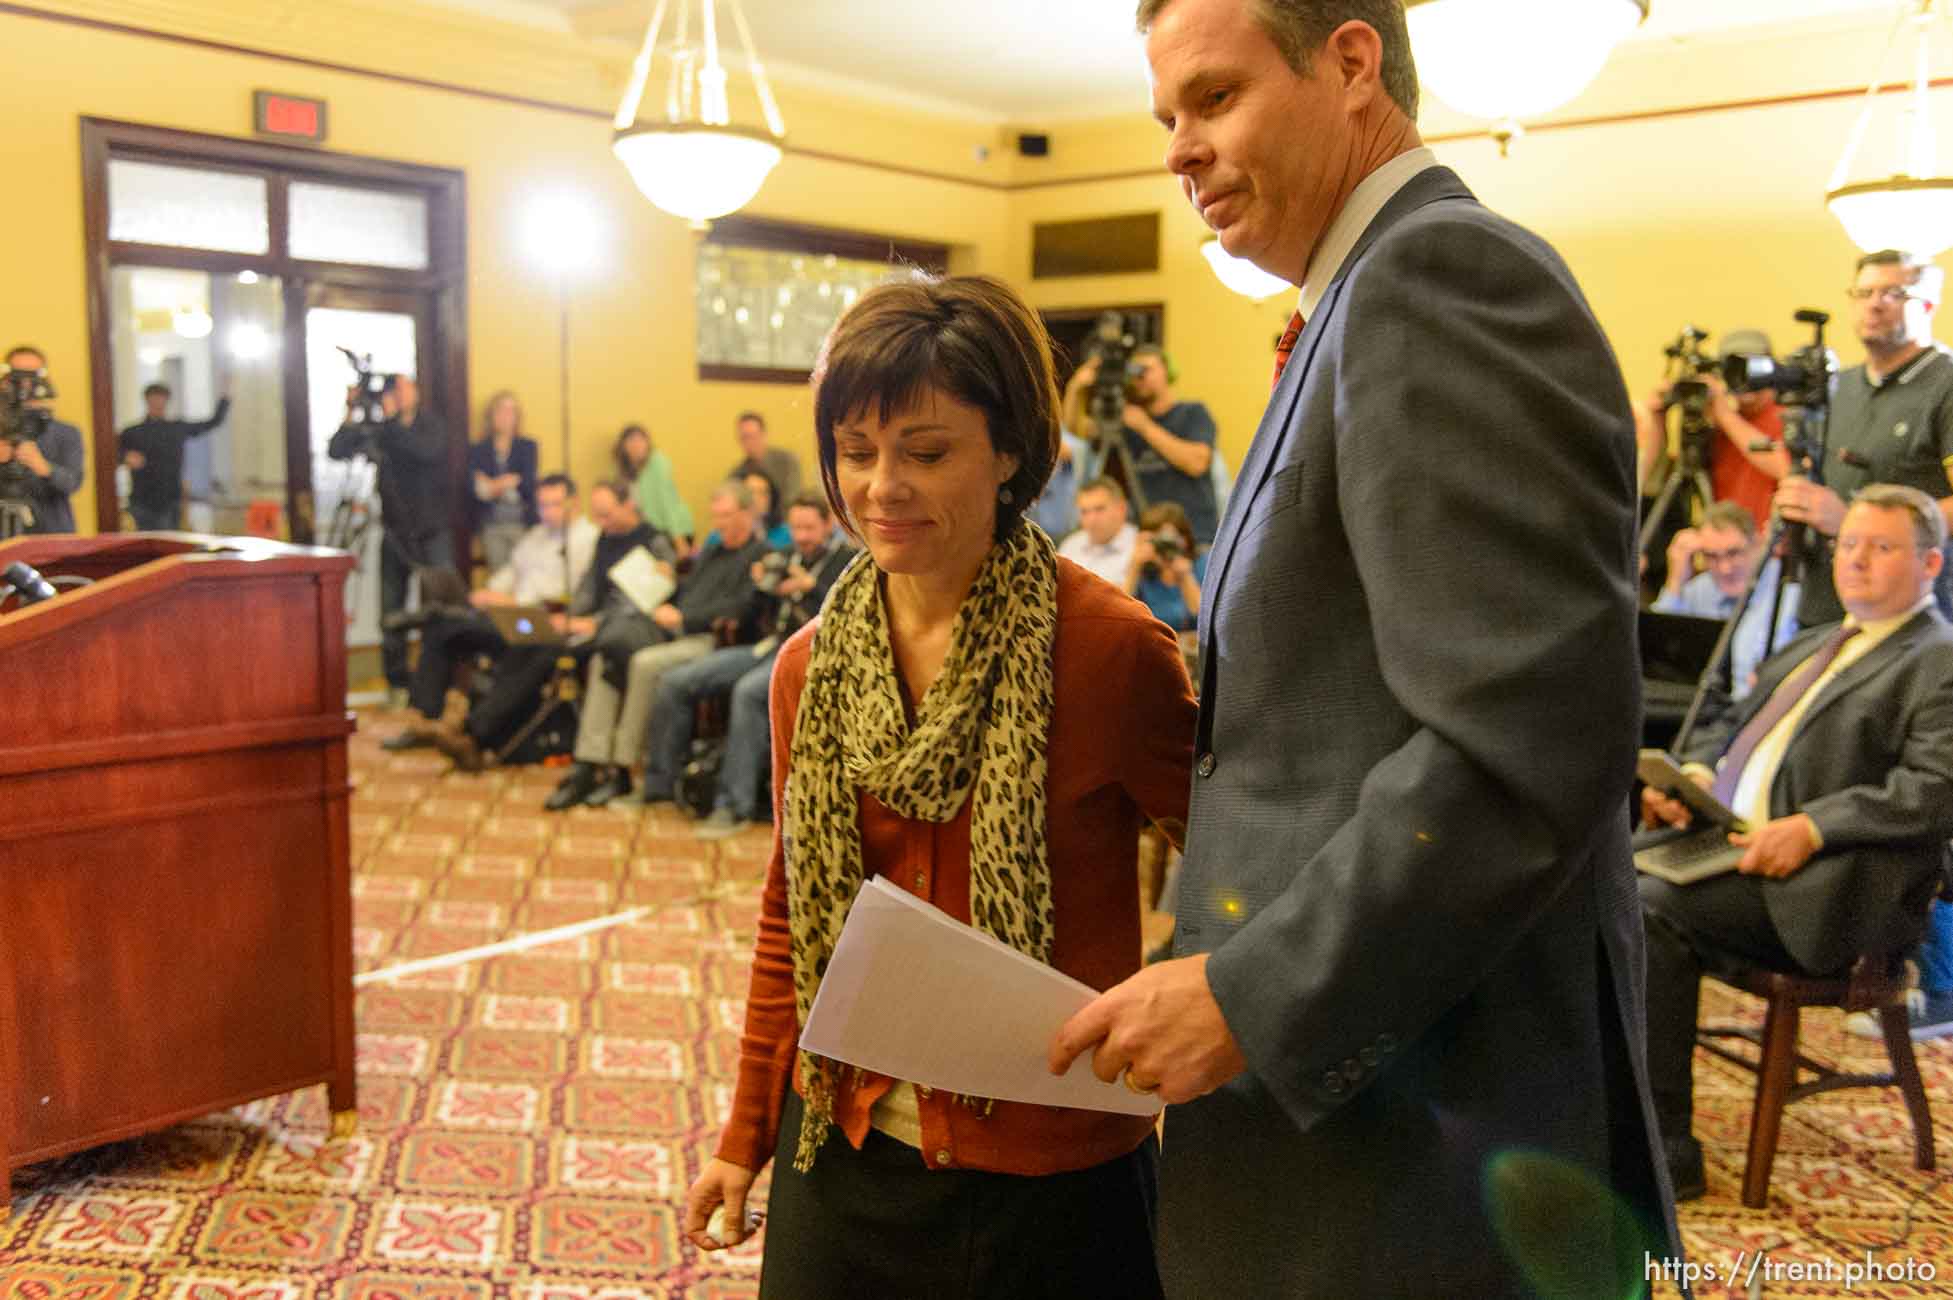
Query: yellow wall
(631, 322)
(1710, 218)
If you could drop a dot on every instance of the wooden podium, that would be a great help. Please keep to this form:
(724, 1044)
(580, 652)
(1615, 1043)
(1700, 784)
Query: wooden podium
(175, 879)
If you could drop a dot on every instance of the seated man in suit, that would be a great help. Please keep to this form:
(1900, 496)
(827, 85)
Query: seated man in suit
(1841, 761)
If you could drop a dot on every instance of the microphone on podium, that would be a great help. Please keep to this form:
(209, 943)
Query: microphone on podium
(31, 587)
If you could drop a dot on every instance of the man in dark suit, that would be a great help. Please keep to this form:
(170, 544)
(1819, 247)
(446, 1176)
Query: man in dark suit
(1841, 761)
(1403, 1032)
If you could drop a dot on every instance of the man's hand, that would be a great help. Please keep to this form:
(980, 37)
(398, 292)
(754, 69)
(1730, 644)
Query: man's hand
(1163, 1025)
(1658, 400)
(6, 451)
(1181, 571)
(29, 454)
(134, 459)
(798, 582)
(669, 617)
(1659, 809)
(1777, 848)
(1139, 418)
(1803, 502)
(1085, 376)
(1687, 544)
(483, 597)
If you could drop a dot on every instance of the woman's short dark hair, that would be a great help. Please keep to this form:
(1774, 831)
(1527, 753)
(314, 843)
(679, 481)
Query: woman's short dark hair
(970, 337)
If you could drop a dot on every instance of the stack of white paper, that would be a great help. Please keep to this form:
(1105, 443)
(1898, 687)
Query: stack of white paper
(914, 994)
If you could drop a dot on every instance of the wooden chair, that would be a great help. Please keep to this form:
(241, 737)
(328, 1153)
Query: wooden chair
(1875, 984)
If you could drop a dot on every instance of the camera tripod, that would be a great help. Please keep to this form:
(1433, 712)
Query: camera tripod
(1687, 477)
(16, 519)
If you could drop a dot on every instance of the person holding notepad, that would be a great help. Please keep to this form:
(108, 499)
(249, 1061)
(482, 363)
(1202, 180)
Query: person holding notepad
(984, 725)
(1841, 761)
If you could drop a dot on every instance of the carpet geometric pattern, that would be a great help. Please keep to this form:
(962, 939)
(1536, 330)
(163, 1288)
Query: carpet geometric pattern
(529, 1121)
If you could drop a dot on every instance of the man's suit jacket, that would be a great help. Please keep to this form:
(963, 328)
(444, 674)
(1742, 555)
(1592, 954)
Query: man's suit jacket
(1408, 849)
(1871, 762)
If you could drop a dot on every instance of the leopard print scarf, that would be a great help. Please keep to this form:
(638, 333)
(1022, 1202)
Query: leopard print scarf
(981, 727)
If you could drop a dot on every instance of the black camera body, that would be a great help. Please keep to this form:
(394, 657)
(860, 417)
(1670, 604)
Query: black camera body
(20, 421)
(1802, 379)
(773, 571)
(365, 405)
(1687, 360)
(1111, 345)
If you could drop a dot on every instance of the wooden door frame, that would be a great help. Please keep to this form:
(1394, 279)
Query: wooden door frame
(444, 282)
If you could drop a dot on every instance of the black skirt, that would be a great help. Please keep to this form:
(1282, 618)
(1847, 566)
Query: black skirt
(879, 1224)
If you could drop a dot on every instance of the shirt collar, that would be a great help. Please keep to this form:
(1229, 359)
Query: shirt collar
(1358, 211)
(1878, 629)
(1906, 373)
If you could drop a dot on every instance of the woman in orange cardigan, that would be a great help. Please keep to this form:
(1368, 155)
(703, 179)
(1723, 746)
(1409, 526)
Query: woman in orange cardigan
(984, 725)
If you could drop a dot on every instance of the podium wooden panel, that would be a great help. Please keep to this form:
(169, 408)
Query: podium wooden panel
(175, 879)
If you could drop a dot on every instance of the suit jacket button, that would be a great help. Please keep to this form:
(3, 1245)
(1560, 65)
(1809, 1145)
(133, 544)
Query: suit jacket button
(1206, 765)
(942, 1157)
(1332, 1083)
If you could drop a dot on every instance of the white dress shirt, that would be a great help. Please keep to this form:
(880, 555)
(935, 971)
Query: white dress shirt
(1364, 202)
(1109, 561)
(535, 572)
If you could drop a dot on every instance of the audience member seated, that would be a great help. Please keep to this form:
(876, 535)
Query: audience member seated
(1848, 825)
(633, 651)
(523, 672)
(768, 515)
(781, 467)
(1056, 509)
(1164, 572)
(1727, 543)
(1104, 541)
(814, 560)
(546, 565)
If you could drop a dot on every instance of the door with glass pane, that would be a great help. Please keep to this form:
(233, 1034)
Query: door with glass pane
(390, 331)
(235, 268)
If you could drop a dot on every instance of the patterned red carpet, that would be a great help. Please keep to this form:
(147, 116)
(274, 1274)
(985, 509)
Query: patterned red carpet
(529, 1121)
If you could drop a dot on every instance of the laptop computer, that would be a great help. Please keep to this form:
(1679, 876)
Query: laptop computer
(1675, 648)
(1684, 855)
(524, 624)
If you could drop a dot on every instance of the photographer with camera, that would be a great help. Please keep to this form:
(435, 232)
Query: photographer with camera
(153, 451)
(409, 450)
(1736, 422)
(1891, 418)
(1168, 443)
(1164, 572)
(41, 460)
(789, 586)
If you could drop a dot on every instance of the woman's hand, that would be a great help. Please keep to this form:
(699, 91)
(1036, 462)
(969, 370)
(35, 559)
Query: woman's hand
(722, 1184)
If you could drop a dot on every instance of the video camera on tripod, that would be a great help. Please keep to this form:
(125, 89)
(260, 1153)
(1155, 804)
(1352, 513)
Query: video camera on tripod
(1687, 360)
(1803, 379)
(1111, 344)
(21, 420)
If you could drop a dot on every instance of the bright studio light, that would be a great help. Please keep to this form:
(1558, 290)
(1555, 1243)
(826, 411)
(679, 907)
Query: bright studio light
(1241, 275)
(250, 341)
(561, 232)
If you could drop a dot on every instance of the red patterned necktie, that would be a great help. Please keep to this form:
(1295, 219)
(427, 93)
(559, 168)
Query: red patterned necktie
(1286, 347)
(1782, 700)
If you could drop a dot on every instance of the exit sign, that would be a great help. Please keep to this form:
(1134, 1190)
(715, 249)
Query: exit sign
(289, 117)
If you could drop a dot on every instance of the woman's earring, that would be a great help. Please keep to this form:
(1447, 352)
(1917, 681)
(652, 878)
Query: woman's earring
(1003, 495)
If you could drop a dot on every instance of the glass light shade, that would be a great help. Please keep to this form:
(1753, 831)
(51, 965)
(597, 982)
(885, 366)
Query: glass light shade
(1914, 215)
(192, 323)
(695, 171)
(1507, 59)
(1239, 274)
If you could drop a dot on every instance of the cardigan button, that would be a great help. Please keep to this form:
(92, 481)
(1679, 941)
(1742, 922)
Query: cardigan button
(942, 1157)
(1206, 765)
